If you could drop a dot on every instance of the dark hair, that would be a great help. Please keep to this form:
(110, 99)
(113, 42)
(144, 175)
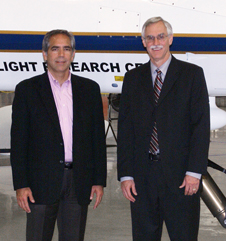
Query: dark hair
(45, 42)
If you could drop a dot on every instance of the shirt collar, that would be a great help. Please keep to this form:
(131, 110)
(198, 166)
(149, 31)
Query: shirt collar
(163, 67)
(55, 82)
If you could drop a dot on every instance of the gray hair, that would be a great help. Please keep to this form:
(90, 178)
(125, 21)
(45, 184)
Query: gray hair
(45, 42)
(155, 20)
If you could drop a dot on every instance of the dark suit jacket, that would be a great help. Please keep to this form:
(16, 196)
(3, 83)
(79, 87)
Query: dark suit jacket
(182, 116)
(37, 148)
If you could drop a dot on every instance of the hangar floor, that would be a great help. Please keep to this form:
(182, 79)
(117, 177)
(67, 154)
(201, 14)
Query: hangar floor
(111, 220)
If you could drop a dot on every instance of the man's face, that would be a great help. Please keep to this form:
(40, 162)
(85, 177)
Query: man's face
(59, 55)
(157, 42)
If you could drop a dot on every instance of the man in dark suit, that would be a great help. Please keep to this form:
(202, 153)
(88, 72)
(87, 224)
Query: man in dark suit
(163, 140)
(58, 153)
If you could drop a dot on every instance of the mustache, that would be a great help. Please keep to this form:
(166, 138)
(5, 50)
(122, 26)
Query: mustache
(156, 47)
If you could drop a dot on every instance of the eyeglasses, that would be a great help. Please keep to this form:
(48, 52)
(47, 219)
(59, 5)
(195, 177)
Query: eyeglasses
(161, 37)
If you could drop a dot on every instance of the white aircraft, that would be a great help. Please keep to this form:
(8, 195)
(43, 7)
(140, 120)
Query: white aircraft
(108, 41)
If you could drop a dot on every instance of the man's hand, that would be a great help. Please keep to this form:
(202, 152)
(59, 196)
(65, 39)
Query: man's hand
(128, 188)
(22, 196)
(99, 190)
(191, 185)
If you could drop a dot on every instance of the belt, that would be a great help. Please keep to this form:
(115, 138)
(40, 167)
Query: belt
(154, 158)
(68, 165)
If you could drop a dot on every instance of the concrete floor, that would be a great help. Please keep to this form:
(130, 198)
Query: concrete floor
(111, 220)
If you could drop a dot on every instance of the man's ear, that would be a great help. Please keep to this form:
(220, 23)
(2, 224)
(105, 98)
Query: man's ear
(143, 41)
(170, 39)
(73, 56)
(44, 54)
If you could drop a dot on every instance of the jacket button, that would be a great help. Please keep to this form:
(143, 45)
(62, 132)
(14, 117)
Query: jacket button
(61, 161)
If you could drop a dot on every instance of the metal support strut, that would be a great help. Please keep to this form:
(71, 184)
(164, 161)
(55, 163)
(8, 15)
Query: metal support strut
(212, 195)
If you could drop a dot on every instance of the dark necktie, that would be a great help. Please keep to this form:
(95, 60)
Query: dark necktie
(154, 145)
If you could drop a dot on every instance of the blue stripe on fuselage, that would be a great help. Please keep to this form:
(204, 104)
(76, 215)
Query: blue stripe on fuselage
(115, 43)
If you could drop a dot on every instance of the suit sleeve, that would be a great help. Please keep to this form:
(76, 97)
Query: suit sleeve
(200, 125)
(19, 138)
(125, 141)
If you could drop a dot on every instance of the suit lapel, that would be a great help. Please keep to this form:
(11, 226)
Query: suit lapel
(171, 77)
(147, 83)
(46, 94)
(78, 127)
(77, 98)
(78, 108)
